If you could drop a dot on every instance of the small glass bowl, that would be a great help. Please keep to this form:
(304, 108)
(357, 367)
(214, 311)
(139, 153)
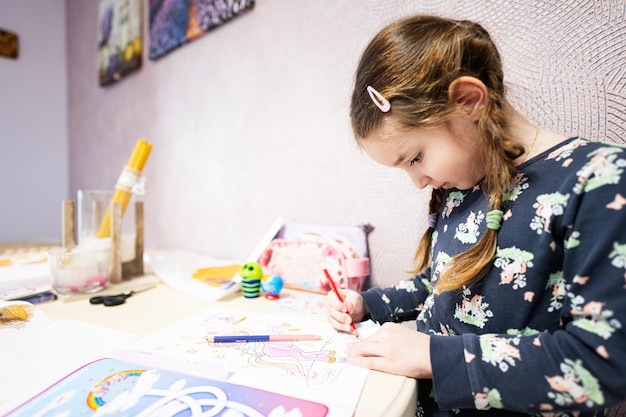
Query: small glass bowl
(79, 272)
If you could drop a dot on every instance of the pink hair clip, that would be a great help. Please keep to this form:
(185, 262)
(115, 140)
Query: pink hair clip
(381, 102)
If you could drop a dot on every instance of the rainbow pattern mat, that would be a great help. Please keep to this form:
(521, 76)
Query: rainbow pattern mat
(112, 387)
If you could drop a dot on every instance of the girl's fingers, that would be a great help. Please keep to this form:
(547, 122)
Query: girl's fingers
(364, 348)
(339, 319)
(394, 349)
(333, 302)
(367, 362)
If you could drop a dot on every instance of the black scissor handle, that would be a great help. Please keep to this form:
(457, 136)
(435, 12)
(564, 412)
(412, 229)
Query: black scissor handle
(110, 300)
(115, 300)
(97, 300)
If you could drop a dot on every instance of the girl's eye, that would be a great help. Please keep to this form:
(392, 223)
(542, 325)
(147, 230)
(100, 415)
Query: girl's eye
(418, 158)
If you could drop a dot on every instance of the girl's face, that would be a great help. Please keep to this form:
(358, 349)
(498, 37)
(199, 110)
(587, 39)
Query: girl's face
(444, 156)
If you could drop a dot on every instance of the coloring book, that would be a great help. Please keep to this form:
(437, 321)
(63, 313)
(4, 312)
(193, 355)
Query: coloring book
(313, 370)
(110, 387)
(165, 371)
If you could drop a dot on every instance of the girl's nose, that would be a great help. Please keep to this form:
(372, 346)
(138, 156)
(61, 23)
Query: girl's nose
(420, 181)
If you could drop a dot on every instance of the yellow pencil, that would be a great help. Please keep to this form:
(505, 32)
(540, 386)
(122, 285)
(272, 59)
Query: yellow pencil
(123, 188)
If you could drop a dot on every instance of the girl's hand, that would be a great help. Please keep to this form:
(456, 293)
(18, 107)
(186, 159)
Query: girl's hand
(394, 349)
(352, 310)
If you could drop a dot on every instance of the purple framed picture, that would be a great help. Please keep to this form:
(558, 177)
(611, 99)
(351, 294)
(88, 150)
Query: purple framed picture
(119, 39)
(176, 22)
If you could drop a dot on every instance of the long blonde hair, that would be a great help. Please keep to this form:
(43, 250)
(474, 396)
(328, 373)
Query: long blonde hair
(412, 63)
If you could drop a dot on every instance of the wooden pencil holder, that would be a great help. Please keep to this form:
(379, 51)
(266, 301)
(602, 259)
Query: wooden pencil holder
(124, 270)
(119, 270)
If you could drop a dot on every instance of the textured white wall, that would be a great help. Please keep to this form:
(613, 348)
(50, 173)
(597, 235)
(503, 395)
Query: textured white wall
(34, 170)
(250, 122)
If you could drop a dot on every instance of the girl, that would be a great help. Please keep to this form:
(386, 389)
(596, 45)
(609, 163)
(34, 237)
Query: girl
(519, 285)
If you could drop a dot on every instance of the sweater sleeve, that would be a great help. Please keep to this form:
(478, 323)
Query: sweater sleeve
(401, 302)
(579, 366)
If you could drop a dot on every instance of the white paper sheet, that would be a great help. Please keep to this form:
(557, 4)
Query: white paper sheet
(312, 370)
(37, 356)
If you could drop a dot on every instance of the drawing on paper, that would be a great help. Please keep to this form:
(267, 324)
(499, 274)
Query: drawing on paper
(316, 370)
(316, 362)
(304, 305)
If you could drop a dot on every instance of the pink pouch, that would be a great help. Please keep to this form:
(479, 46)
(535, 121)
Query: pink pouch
(300, 260)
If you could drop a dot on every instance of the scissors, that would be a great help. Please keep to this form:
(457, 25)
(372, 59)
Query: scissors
(114, 300)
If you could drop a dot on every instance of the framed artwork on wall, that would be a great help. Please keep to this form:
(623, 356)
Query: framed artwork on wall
(176, 22)
(8, 44)
(119, 39)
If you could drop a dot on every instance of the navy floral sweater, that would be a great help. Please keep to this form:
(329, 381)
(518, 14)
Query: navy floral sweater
(543, 332)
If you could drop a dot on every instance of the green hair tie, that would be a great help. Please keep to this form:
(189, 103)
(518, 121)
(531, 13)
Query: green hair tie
(494, 219)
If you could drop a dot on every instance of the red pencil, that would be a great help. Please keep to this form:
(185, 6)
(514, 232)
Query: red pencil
(336, 291)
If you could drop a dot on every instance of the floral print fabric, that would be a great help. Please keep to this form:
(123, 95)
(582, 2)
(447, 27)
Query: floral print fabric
(542, 333)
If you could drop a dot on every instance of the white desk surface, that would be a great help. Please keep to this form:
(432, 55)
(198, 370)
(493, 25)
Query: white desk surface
(146, 312)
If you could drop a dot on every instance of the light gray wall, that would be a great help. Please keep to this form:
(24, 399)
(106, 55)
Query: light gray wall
(250, 122)
(33, 122)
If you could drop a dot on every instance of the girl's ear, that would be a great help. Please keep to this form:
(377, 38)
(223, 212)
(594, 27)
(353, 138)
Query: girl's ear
(469, 95)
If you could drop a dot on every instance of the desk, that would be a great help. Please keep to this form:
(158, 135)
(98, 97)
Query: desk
(146, 312)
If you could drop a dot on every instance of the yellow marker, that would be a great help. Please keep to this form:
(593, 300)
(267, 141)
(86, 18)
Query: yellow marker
(128, 178)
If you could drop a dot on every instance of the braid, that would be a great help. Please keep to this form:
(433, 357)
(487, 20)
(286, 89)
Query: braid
(423, 254)
(499, 154)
